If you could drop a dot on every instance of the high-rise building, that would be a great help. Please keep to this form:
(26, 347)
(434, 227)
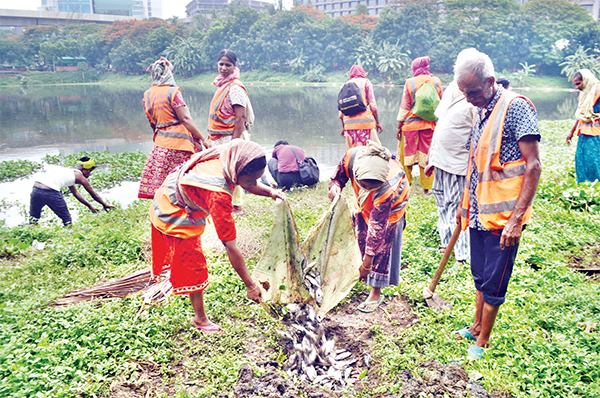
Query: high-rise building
(129, 8)
(205, 6)
(339, 8)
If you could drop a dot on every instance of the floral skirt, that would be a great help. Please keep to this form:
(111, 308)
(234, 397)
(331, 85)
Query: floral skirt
(160, 162)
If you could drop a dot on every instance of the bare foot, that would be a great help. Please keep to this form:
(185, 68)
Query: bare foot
(206, 326)
(237, 211)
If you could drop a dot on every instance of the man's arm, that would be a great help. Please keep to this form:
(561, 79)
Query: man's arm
(183, 114)
(80, 179)
(530, 150)
(80, 198)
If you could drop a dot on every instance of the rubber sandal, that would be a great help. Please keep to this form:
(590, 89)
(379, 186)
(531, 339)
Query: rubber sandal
(475, 353)
(209, 329)
(465, 333)
(362, 307)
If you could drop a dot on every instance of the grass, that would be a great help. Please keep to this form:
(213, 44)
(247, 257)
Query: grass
(91, 349)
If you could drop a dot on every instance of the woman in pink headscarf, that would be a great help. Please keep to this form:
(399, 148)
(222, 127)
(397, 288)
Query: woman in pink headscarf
(360, 127)
(414, 134)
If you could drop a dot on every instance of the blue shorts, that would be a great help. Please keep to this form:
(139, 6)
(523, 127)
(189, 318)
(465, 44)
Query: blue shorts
(491, 266)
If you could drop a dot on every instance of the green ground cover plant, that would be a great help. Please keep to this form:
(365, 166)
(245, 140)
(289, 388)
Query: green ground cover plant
(12, 169)
(91, 348)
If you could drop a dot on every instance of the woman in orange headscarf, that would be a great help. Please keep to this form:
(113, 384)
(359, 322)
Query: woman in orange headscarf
(414, 134)
(365, 125)
(201, 187)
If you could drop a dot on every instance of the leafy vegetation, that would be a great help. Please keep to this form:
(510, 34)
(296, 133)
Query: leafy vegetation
(13, 169)
(88, 349)
(304, 39)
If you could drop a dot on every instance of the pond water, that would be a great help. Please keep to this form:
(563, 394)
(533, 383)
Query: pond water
(70, 119)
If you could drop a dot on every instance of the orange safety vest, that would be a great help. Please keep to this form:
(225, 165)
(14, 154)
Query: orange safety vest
(591, 127)
(168, 211)
(499, 185)
(362, 120)
(169, 132)
(412, 121)
(220, 124)
(396, 186)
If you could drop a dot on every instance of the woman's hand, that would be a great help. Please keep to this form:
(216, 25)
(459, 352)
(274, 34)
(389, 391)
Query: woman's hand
(569, 138)
(366, 267)
(379, 128)
(254, 293)
(206, 142)
(275, 194)
(334, 191)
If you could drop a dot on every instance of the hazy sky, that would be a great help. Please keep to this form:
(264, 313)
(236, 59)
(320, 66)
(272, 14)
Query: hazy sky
(169, 7)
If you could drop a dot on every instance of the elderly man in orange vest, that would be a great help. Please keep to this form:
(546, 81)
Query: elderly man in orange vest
(502, 177)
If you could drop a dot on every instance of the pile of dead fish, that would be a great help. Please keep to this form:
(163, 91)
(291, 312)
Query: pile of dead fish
(312, 281)
(312, 356)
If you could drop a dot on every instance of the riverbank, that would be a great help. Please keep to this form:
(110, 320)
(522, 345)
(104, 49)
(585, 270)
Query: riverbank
(119, 347)
(29, 79)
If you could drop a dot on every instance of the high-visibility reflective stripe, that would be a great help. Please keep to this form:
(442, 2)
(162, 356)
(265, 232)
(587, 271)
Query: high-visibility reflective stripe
(209, 180)
(221, 97)
(213, 116)
(175, 220)
(220, 132)
(168, 124)
(357, 121)
(387, 185)
(173, 134)
(413, 88)
(497, 125)
(351, 163)
(464, 213)
(413, 119)
(498, 207)
(595, 123)
(149, 107)
(505, 174)
(169, 100)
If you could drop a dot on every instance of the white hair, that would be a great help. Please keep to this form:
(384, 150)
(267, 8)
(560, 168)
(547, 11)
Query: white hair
(471, 61)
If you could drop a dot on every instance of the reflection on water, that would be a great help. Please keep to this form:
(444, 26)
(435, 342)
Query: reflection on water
(70, 119)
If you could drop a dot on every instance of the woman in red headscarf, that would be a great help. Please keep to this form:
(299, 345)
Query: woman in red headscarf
(414, 134)
(201, 187)
(361, 126)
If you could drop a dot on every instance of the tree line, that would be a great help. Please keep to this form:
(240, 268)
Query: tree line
(306, 42)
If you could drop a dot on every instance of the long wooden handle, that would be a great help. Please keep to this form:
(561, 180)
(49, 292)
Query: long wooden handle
(447, 254)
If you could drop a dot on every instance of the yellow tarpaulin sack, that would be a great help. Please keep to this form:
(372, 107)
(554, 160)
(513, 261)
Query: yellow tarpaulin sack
(322, 272)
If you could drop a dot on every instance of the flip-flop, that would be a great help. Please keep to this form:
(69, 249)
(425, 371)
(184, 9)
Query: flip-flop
(475, 353)
(465, 333)
(362, 307)
(209, 329)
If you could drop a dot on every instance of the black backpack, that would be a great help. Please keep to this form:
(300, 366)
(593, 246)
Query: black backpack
(350, 99)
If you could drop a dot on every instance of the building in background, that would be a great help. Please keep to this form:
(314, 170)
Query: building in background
(338, 8)
(592, 6)
(129, 8)
(206, 6)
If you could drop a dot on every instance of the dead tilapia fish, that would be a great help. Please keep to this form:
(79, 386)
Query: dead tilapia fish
(322, 272)
(313, 357)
